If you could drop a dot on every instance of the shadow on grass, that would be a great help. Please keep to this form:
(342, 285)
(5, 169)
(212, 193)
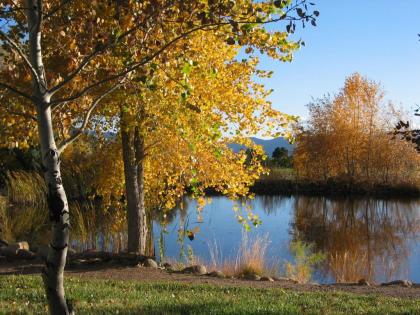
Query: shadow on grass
(190, 309)
(22, 267)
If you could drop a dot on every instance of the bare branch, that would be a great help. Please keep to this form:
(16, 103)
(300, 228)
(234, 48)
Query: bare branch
(25, 115)
(97, 51)
(150, 146)
(56, 9)
(87, 116)
(16, 47)
(128, 70)
(16, 91)
(149, 58)
(72, 75)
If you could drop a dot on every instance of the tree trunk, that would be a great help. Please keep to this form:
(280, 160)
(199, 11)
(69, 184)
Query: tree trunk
(53, 272)
(144, 222)
(132, 148)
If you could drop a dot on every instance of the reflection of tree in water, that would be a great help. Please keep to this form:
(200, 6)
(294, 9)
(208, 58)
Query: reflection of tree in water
(271, 204)
(362, 238)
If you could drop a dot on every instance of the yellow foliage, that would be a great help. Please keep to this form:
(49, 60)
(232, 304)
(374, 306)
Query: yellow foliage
(349, 137)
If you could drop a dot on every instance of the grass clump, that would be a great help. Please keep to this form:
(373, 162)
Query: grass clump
(252, 255)
(251, 258)
(25, 295)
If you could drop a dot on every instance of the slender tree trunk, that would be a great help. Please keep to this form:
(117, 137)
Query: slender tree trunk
(144, 222)
(53, 272)
(133, 154)
(131, 191)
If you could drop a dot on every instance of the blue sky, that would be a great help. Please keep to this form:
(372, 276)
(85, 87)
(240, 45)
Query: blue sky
(377, 38)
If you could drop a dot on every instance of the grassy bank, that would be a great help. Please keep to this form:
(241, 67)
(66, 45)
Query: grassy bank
(24, 295)
(284, 181)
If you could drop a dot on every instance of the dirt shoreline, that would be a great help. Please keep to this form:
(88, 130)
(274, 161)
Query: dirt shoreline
(151, 275)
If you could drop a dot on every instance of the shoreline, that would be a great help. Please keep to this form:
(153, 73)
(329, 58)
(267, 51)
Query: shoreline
(332, 189)
(135, 273)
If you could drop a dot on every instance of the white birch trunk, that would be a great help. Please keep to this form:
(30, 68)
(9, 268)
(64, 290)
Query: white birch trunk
(53, 272)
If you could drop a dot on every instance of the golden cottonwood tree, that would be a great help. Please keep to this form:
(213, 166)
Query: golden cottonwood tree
(180, 124)
(62, 58)
(349, 137)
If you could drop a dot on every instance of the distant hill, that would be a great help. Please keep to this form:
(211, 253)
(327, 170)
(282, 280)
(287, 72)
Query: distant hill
(269, 145)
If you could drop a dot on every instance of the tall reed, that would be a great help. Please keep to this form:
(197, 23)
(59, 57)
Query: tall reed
(24, 214)
(26, 187)
(250, 258)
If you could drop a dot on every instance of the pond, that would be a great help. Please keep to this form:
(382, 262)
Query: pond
(360, 238)
(373, 239)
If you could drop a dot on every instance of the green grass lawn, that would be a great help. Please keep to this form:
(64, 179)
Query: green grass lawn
(25, 295)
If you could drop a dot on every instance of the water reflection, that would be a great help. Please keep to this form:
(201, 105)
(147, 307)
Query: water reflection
(362, 238)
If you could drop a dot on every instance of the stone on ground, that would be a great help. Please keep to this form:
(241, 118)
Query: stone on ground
(217, 274)
(196, 269)
(150, 263)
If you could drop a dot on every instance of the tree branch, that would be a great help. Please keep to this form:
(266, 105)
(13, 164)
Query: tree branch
(130, 69)
(97, 51)
(86, 119)
(56, 9)
(25, 115)
(15, 46)
(149, 58)
(16, 91)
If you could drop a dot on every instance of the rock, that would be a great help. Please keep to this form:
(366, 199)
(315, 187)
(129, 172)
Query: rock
(94, 261)
(363, 282)
(23, 245)
(252, 276)
(77, 262)
(267, 279)
(217, 274)
(196, 269)
(11, 250)
(150, 263)
(168, 266)
(25, 254)
(404, 283)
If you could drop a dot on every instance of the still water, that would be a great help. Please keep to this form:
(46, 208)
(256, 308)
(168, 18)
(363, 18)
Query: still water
(361, 238)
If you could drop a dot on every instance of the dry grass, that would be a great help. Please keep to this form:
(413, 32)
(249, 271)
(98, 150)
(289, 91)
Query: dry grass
(5, 231)
(96, 227)
(26, 188)
(348, 266)
(251, 258)
(23, 213)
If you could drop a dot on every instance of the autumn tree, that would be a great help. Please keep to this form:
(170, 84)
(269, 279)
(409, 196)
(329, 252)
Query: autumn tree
(349, 137)
(175, 129)
(57, 62)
